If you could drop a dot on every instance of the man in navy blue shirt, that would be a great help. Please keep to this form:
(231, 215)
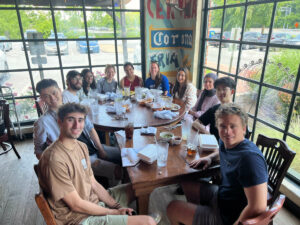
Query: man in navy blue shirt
(243, 190)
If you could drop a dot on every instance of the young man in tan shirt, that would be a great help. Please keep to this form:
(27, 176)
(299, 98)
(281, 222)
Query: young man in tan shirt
(66, 177)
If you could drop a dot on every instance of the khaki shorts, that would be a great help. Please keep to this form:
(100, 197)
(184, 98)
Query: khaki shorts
(119, 194)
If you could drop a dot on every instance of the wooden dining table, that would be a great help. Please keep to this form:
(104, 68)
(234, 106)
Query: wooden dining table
(145, 178)
(140, 116)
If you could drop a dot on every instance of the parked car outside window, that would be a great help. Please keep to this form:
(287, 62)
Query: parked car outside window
(81, 45)
(51, 48)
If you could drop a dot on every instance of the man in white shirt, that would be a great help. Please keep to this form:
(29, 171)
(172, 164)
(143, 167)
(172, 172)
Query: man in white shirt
(74, 83)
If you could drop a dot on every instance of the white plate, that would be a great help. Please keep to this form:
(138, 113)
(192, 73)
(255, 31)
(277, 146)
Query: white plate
(175, 107)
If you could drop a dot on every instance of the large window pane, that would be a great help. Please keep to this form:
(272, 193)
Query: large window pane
(229, 56)
(257, 20)
(9, 23)
(70, 23)
(233, 22)
(26, 109)
(48, 74)
(211, 54)
(129, 51)
(14, 58)
(267, 131)
(20, 83)
(214, 18)
(100, 24)
(284, 22)
(38, 21)
(128, 24)
(294, 145)
(251, 63)
(273, 107)
(107, 54)
(246, 95)
(71, 56)
(282, 67)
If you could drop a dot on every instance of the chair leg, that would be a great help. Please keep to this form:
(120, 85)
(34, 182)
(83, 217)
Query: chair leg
(3, 146)
(15, 150)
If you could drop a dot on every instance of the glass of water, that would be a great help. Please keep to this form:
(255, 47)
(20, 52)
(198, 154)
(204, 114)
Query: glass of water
(162, 153)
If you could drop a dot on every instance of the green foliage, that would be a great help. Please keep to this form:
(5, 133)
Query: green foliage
(258, 16)
(281, 70)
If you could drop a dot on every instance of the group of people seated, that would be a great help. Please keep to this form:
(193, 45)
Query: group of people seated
(70, 153)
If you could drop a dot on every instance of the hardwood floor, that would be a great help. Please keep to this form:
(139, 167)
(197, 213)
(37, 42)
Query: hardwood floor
(18, 185)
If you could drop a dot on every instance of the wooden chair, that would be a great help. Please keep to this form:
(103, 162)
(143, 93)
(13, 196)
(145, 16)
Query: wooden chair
(267, 217)
(43, 205)
(41, 106)
(279, 158)
(6, 139)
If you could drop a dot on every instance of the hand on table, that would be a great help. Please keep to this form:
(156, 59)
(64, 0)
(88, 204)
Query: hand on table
(205, 162)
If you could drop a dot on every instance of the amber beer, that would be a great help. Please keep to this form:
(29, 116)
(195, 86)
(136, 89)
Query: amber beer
(129, 130)
(191, 149)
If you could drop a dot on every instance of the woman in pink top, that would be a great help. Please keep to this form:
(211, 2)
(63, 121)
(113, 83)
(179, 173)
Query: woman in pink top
(207, 97)
(131, 80)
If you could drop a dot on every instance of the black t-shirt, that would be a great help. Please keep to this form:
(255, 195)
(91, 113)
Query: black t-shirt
(208, 118)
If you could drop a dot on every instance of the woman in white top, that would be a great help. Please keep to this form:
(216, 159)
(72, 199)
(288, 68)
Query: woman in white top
(88, 85)
(185, 90)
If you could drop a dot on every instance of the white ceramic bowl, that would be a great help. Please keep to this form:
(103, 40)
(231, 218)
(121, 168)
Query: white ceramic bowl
(166, 136)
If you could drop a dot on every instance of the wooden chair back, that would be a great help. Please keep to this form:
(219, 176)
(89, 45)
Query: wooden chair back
(279, 158)
(43, 205)
(268, 216)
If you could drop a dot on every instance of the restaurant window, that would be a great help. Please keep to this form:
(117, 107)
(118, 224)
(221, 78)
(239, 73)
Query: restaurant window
(48, 38)
(257, 43)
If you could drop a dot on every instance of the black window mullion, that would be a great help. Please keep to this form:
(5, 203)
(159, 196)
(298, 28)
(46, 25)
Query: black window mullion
(220, 38)
(86, 34)
(57, 45)
(25, 49)
(202, 47)
(143, 39)
(115, 39)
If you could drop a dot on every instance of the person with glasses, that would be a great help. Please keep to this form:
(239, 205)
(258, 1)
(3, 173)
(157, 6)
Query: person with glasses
(183, 89)
(207, 97)
(74, 83)
(130, 80)
(157, 80)
(88, 85)
(108, 83)
(243, 191)
(225, 87)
